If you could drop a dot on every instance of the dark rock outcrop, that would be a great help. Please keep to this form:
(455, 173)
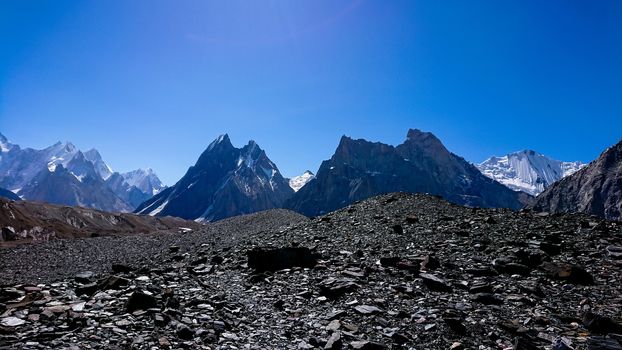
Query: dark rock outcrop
(595, 189)
(272, 259)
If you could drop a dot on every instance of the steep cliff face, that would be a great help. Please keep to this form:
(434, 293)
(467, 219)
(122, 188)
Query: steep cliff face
(360, 169)
(225, 181)
(595, 189)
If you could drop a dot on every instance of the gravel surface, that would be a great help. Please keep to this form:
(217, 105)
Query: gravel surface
(50, 261)
(393, 272)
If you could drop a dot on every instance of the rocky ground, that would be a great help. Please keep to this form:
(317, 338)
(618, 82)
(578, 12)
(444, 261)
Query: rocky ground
(395, 271)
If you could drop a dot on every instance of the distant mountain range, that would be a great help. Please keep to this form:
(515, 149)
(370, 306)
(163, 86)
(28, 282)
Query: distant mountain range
(225, 181)
(595, 189)
(62, 174)
(527, 171)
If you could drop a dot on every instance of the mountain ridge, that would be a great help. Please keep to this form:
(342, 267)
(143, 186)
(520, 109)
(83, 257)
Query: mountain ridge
(360, 169)
(30, 173)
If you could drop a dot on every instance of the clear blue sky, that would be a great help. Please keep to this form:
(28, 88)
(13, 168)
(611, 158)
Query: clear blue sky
(151, 83)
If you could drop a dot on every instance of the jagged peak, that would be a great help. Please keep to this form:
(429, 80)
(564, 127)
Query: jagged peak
(5, 144)
(424, 139)
(70, 147)
(418, 135)
(79, 157)
(93, 154)
(220, 141)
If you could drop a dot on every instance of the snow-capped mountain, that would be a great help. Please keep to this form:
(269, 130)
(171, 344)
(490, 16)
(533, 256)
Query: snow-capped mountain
(297, 182)
(83, 177)
(225, 181)
(101, 167)
(145, 180)
(527, 171)
(19, 166)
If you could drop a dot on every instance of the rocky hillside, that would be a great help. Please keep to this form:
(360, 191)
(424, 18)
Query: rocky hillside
(595, 189)
(225, 181)
(396, 271)
(26, 221)
(360, 169)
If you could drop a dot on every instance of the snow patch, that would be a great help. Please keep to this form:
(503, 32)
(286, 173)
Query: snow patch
(157, 210)
(298, 182)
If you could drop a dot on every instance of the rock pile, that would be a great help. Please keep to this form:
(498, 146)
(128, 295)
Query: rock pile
(450, 278)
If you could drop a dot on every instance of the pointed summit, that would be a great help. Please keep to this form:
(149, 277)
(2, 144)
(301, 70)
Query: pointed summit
(5, 144)
(92, 155)
(101, 167)
(225, 181)
(424, 139)
(298, 182)
(70, 147)
(221, 141)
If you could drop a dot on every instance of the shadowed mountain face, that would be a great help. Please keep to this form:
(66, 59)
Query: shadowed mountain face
(595, 189)
(4, 193)
(360, 169)
(225, 181)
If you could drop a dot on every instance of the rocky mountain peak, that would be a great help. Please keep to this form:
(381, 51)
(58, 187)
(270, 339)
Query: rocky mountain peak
(360, 169)
(225, 181)
(5, 144)
(221, 142)
(426, 141)
(92, 155)
(251, 151)
(70, 147)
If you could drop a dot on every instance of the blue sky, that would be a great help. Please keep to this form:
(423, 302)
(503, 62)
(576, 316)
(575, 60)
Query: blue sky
(151, 83)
